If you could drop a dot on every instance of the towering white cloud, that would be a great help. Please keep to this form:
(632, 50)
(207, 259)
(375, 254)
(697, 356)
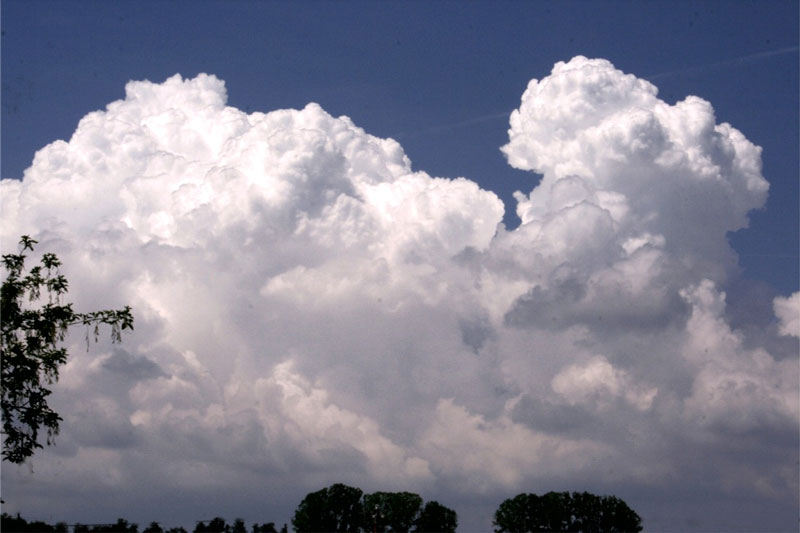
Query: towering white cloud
(310, 309)
(627, 176)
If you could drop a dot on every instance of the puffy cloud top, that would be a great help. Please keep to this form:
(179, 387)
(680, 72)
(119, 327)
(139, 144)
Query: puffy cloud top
(309, 309)
(610, 149)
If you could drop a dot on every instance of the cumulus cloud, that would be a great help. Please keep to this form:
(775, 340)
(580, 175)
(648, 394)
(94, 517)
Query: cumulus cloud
(624, 171)
(736, 388)
(311, 309)
(788, 312)
(596, 379)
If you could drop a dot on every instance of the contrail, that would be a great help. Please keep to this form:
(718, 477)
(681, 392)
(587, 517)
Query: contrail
(728, 62)
(453, 125)
(504, 114)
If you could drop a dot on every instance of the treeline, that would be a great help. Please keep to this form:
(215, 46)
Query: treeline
(340, 508)
(343, 508)
(562, 511)
(11, 524)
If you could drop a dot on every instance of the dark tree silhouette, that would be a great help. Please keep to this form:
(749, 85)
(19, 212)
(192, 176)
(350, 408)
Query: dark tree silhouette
(391, 511)
(436, 518)
(215, 525)
(341, 508)
(29, 352)
(238, 526)
(562, 511)
(614, 514)
(122, 526)
(17, 524)
(336, 508)
(11, 524)
(269, 527)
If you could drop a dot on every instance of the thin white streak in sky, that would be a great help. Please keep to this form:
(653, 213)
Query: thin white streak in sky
(485, 118)
(727, 63)
(454, 125)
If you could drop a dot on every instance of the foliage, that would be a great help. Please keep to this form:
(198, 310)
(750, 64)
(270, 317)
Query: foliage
(30, 353)
(269, 527)
(11, 524)
(336, 508)
(341, 508)
(436, 518)
(391, 511)
(216, 525)
(238, 526)
(121, 526)
(560, 511)
(155, 527)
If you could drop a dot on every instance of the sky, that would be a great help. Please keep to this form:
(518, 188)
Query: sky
(466, 249)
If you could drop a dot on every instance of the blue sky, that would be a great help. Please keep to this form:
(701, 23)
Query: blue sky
(309, 310)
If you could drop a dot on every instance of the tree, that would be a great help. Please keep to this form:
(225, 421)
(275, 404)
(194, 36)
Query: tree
(614, 514)
(516, 514)
(341, 508)
(215, 525)
(555, 511)
(30, 354)
(436, 518)
(391, 511)
(18, 524)
(122, 526)
(337, 508)
(560, 511)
